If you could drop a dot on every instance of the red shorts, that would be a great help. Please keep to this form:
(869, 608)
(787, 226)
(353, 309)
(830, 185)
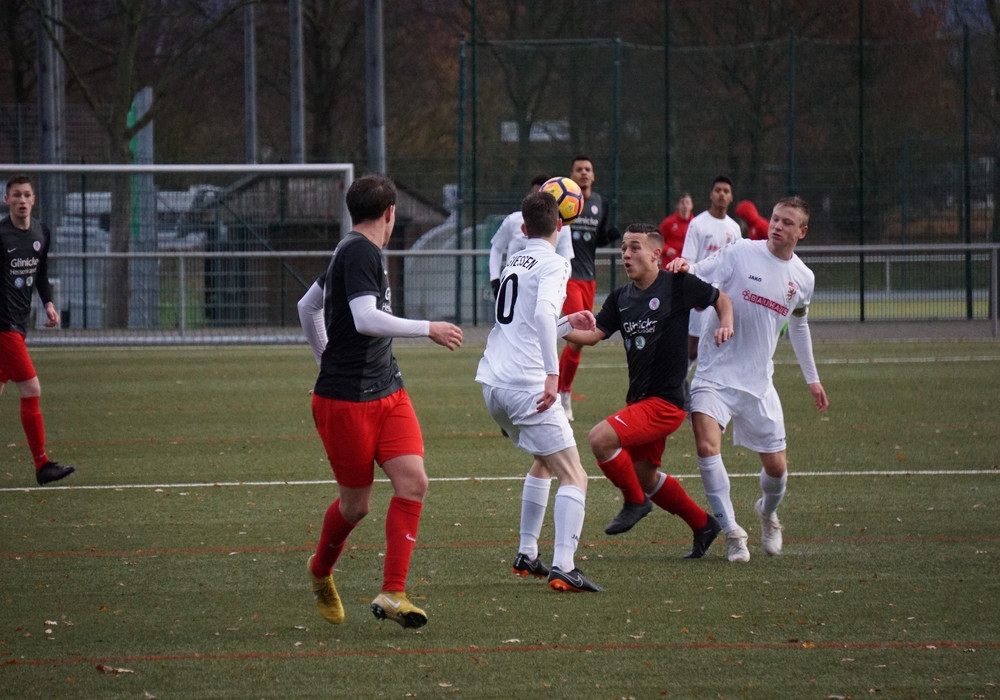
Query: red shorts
(579, 296)
(15, 363)
(643, 427)
(356, 434)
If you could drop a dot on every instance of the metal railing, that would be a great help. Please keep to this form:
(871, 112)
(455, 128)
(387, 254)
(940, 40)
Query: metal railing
(249, 297)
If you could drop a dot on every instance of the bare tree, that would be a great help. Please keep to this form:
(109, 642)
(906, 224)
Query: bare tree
(110, 50)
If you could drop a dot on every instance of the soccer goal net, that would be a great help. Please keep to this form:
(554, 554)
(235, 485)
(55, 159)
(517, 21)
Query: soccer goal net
(158, 254)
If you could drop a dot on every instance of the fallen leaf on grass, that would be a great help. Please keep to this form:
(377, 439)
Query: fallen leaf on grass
(111, 670)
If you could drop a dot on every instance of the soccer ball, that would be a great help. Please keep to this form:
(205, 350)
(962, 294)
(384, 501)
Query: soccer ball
(568, 197)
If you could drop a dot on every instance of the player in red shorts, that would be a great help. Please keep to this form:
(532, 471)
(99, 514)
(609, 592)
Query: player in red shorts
(362, 412)
(24, 251)
(651, 313)
(591, 230)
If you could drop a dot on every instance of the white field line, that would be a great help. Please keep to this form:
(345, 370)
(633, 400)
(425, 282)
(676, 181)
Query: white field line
(314, 482)
(518, 478)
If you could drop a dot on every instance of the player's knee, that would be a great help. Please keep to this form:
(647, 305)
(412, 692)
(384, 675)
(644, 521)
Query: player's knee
(354, 512)
(603, 441)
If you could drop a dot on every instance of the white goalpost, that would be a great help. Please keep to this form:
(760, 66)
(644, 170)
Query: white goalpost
(187, 253)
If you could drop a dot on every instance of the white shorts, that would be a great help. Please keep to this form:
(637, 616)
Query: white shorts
(698, 320)
(540, 434)
(758, 423)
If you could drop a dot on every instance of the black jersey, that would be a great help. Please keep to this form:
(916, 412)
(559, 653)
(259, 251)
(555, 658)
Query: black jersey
(355, 367)
(591, 231)
(24, 257)
(654, 327)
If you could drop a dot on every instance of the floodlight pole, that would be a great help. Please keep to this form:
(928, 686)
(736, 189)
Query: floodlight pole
(375, 85)
(298, 125)
(250, 82)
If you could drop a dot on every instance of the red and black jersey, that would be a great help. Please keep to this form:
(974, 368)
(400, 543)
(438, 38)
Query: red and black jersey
(355, 367)
(24, 258)
(591, 231)
(654, 327)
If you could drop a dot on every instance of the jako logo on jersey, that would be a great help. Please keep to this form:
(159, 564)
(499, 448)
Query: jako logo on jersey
(654, 303)
(755, 278)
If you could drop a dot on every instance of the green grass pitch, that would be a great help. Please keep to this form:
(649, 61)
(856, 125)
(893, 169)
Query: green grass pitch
(172, 564)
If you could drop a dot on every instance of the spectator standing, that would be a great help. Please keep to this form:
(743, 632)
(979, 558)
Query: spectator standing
(674, 229)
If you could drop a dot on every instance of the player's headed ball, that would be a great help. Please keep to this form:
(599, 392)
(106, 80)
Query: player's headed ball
(568, 196)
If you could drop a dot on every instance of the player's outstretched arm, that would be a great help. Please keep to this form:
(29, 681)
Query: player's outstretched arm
(579, 320)
(369, 320)
(446, 334)
(678, 264)
(585, 337)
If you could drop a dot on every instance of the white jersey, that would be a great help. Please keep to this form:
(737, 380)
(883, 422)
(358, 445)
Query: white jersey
(765, 290)
(522, 346)
(509, 239)
(706, 235)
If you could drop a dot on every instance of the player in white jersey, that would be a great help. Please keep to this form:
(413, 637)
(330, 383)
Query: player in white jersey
(769, 285)
(519, 373)
(509, 239)
(707, 233)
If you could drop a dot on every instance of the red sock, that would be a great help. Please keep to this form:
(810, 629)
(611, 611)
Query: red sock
(569, 362)
(331, 540)
(401, 525)
(34, 429)
(621, 473)
(672, 498)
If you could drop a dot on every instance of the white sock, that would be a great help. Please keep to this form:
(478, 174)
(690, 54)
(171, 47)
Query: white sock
(570, 509)
(660, 478)
(534, 499)
(715, 479)
(773, 489)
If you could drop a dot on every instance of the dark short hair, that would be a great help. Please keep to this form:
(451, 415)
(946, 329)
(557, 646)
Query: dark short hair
(581, 156)
(541, 214)
(722, 178)
(369, 196)
(539, 180)
(19, 179)
(652, 232)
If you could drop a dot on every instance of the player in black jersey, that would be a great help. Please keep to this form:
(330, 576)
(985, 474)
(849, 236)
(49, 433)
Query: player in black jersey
(651, 313)
(24, 251)
(591, 230)
(361, 410)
